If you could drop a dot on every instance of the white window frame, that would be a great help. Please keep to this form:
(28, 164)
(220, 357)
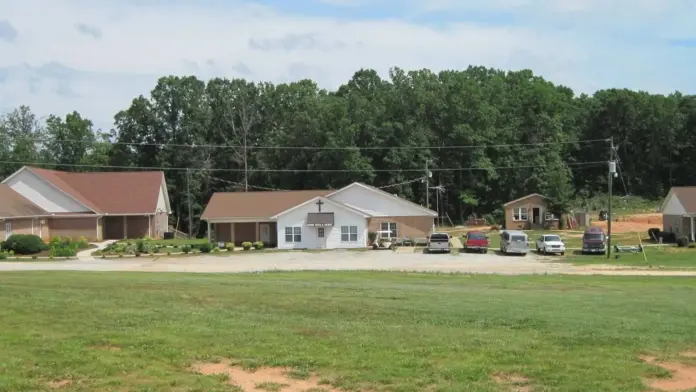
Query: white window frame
(520, 214)
(349, 233)
(391, 226)
(8, 230)
(297, 234)
(293, 234)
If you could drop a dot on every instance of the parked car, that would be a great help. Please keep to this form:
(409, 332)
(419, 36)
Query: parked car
(594, 241)
(514, 242)
(549, 244)
(439, 242)
(476, 241)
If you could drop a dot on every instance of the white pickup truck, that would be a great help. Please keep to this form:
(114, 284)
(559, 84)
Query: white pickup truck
(549, 244)
(439, 242)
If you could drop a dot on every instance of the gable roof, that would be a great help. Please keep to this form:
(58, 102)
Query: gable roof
(107, 192)
(686, 196)
(261, 204)
(526, 197)
(379, 191)
(335, 203)
(12, 204)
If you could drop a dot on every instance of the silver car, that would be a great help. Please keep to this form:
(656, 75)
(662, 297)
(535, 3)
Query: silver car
(514, 242)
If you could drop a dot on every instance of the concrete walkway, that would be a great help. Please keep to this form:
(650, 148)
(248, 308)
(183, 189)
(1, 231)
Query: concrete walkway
(86, 255)
(456, 243)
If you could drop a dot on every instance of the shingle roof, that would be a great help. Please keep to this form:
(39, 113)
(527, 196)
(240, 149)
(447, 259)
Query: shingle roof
(13, 204)
(263, 204)
(687, 197)
(109, 192)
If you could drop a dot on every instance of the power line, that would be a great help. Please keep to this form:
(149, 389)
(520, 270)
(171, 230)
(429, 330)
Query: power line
(290, 170)
(228, 146)
(402, 183)
(249, 185)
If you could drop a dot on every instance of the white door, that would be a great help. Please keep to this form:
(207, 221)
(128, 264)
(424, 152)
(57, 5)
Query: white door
(265, 234)
(8, 230)
(321, 238)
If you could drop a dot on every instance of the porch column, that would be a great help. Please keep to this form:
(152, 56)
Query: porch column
(257, 231)
(149, 226)
(692, 229)
(208, 231)
(232, 232)
(125, 227)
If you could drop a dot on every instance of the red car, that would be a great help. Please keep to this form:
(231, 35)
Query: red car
(476, 241)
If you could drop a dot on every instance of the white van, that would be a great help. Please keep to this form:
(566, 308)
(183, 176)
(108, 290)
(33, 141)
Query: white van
(514, 241)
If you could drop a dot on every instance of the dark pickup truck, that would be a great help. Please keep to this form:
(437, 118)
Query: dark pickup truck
(594, 241)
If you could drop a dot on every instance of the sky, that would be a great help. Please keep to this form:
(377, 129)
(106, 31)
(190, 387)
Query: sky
(95, 56)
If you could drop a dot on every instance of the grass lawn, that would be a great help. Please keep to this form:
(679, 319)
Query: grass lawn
(384, 331)
(667, 257)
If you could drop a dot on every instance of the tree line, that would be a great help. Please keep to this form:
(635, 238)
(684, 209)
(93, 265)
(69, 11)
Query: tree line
(489, 136)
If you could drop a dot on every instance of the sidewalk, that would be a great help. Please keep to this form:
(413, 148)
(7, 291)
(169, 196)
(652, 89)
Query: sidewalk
(86, 255)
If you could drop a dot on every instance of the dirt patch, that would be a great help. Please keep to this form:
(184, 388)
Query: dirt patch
(514, 382)
(263, 379)
(632, 223)
(688, 354)
(683, 376)
(58, 384)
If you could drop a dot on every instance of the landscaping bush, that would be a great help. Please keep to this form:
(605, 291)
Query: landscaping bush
(141, 246)
(216, 250)
(229, 246)
(683, 241)
(371, 237)
(186, 249)
(24, 244)
(247, 245)
(3, 255)
(654, 233)
(205, 248)
(258, 245)
(692, 245)
(82, 243)
(62, 251)
(667, 237)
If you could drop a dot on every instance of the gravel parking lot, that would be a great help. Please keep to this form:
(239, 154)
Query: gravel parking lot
(490, 263)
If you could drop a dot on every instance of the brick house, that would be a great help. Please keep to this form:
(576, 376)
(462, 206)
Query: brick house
(529, 212)
(98, 206)
(314, 219)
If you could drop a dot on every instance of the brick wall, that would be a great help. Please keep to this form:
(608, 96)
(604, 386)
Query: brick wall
(74, 228)
(406, 226)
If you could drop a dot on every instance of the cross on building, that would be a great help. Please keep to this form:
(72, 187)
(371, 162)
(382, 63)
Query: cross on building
(319, 204)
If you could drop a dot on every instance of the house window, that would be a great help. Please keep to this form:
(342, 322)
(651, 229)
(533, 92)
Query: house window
(349, 233)
(293, 234)
(520, 214)
(8, 230)
(388, 226)
(550, 216)
(320, 232)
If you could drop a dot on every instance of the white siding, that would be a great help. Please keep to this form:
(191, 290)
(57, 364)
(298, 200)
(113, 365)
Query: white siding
(375, 203)
(161, 202)
(44, 194)
(332, 235)
(673, 206)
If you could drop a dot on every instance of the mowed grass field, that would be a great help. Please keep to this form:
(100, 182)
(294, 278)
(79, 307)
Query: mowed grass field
(357, 330)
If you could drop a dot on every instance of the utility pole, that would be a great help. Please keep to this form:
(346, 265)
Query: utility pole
(427, 186)
(246, 168)
(190, 211)
(612, 171)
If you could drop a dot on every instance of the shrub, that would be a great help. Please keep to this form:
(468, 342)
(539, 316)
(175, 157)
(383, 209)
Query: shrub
(654, 233)
(25, 244)
(3, 255)
(229, 246)
(62, 251)
(246, 245)
(692, 245)
(258, 245)
(205, 248)
(186, 249)
(34, 257)
(372, 236)
(82, 243)
(137, 254)
(216, 250)
(683, 241)
(11, 253)
(141, 246)
(668, 238)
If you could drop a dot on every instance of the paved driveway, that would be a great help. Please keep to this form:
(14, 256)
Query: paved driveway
(337, 260)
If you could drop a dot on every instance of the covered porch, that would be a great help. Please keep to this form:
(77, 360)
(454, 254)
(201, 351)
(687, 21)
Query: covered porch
(239, 232)
(128, 227)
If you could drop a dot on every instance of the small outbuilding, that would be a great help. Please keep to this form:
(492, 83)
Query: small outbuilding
(678, 211)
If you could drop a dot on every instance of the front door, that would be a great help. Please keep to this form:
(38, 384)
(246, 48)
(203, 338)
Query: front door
(265, 233)
(321, 238)
(536, 215)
